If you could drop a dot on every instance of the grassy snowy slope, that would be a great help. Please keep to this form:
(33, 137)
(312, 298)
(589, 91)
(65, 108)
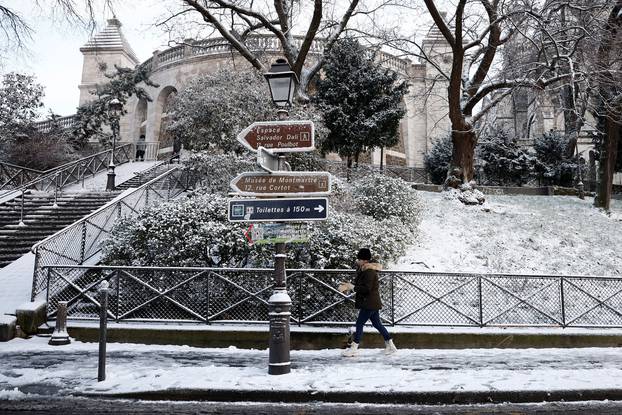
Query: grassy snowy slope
(518, 234)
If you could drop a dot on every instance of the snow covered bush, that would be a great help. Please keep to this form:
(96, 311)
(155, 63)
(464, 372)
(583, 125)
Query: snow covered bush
(305, 161)
(191, 232)
(503, 161)
(213, 108)
(214, 171)
(335, 241)
(553, 162)
(383, 197)
(437, 160)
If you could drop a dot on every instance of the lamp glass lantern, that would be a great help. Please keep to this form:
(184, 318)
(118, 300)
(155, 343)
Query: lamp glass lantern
(114, 108)
(282, 82)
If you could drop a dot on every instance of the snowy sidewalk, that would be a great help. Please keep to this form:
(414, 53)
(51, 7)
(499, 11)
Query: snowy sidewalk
(424, 376)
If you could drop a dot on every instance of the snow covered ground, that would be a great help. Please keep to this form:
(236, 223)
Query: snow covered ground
(518, 234)
(28, 366)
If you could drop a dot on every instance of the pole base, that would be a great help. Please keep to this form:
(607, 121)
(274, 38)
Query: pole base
(59, 340)
(279, 369)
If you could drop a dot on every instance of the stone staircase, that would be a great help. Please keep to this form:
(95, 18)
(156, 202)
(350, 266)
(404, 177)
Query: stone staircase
(42, 218)
(144, 176)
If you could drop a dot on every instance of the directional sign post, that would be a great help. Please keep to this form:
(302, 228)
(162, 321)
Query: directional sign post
(278, 210)
(279, 136)
(282, 184)
(267, 139)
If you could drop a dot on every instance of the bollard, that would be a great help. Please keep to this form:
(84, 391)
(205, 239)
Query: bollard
(60, 336)
(279, 313)
(103, 319)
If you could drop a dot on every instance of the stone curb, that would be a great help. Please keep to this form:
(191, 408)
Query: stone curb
(413, 398)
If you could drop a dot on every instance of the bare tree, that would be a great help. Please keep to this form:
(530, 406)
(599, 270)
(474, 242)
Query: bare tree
(296, 25)
(15, 30)
(496, 47)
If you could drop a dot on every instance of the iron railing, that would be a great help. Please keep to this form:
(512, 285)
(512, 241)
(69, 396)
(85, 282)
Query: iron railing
(13, 176)
(218, 295)
(19, 178)
(80, 242)
(340, 169)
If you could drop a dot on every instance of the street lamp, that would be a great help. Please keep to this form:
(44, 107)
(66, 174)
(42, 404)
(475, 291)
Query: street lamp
(282, 82)
(115, 108)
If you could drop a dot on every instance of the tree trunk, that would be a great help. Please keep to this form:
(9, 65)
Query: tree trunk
(381, 158)
(607, 163)
(461, 169)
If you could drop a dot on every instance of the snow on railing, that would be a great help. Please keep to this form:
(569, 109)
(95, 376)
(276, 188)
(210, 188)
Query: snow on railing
(255, 43)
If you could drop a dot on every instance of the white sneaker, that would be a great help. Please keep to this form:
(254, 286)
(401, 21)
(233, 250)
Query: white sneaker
(389, 347)
(351, 351)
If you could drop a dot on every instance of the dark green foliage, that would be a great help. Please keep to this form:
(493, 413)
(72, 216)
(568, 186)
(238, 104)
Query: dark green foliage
(503, 161)
(94, 114)
(437, 160)
(360, 101)
(598, 142)
(553, 164)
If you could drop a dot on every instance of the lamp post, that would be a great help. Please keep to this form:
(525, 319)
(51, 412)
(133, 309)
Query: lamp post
(115, 107)
(282, 82)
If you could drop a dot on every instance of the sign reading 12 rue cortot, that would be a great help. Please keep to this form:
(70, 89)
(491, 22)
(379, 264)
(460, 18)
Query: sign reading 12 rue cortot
(282, 184)
(279, 136)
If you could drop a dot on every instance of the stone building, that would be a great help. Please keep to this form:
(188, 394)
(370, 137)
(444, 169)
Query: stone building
(425, 121)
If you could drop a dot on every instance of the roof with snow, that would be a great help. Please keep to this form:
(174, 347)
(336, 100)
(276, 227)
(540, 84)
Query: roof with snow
(111, 38)
(434, 34)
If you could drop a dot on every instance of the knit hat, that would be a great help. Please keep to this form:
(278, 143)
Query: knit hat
(364, 254)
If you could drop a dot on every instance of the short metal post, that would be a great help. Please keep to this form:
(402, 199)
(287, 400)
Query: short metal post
(21, 212)
(118, 277)
(83, 173)
(60, 336)
(481, 308)
(562, 299)
(55, 205)
(83, 243)
(103, 322)
(279, 315)
(392, 300)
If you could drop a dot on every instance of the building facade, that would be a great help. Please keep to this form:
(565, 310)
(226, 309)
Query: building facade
(426, 113)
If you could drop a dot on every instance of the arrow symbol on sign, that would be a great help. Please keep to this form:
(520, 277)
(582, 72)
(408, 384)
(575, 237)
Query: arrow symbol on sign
(320, 208)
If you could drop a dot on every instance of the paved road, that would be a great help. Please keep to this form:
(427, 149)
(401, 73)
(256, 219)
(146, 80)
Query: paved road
(81, 406)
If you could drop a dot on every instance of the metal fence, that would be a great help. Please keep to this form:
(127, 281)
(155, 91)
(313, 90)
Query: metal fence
(14, 177)
(340, 169)
(80, 242)
(213, 295)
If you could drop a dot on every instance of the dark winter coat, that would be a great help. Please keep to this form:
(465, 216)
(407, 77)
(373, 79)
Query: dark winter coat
(176, 145)
(366, 287)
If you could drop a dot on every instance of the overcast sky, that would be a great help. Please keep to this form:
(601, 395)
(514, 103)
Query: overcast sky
(53, 54)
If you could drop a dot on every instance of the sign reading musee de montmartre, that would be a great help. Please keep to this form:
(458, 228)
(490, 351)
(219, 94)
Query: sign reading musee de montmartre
(282, 184)
(279, 136)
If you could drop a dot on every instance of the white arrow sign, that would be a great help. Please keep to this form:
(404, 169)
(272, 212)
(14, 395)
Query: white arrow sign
(320, 208)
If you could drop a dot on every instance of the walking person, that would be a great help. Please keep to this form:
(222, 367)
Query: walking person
(367, 300)
(140, 148)
(176, 149)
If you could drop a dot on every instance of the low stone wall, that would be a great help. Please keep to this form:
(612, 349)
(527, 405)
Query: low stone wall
(317, 339)
(509, 190)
